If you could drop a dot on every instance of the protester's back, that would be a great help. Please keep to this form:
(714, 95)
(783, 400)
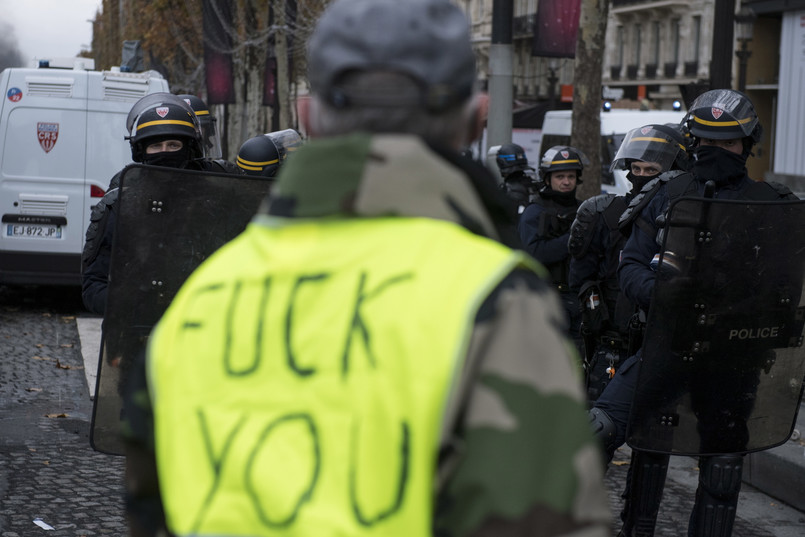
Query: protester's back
(369, 356)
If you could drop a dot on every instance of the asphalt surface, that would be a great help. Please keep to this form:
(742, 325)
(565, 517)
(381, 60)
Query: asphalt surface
(50, 477)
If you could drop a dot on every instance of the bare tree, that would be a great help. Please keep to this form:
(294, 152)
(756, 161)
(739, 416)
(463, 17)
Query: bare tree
(586, 134)
(261, 33)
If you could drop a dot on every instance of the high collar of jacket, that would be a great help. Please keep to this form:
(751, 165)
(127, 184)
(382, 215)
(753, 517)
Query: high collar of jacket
(362, 175)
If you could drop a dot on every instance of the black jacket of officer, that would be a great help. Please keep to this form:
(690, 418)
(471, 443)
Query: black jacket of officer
(544, 226)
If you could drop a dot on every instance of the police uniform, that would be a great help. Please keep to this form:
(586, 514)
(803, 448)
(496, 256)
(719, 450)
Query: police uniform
(612, 327)
(716, 115)
(544, 228)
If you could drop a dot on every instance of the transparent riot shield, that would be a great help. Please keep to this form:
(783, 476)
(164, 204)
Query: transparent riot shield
(168, 222)
(722, 363)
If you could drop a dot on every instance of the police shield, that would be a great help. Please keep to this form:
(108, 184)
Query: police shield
(168, 222)
(722, 361)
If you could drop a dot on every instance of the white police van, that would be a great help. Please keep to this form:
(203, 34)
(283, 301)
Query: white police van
(615, 124)
(62, 129)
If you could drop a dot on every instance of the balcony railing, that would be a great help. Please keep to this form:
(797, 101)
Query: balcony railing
(651, 70)
(669, 69)
(615, 72)
(631, 72)
(691, 68)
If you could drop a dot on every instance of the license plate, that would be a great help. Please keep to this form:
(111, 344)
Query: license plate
(33, 231)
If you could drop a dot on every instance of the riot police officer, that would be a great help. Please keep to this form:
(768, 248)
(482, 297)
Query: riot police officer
(724, 127)
(610, 331)
(518, 176)
(544, 225)
(163, 131)
(262, 155)
(210, 140)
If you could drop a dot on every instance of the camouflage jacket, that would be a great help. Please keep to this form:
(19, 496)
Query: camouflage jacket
(516, 456)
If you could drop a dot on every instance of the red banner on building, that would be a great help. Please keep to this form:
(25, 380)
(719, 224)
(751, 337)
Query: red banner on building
(556, 28)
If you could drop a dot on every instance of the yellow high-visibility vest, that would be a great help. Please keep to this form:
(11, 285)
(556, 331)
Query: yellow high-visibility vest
(299, 377)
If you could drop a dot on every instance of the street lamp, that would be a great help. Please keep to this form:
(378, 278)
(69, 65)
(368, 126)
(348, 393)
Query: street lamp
(744, 25)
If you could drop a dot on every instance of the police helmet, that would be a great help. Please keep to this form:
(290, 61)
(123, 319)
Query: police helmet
(662, 144)
(262, 155)
(209, 126)
(511, 158)
(153, 99)
(559, 158)
(723, 114)
(164, 119)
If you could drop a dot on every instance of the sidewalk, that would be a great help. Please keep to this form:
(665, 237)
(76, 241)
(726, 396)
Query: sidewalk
(778, 472)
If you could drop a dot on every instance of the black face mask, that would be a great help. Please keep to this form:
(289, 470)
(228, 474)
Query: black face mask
(562, 198)
(718, 165)
(639, 181)
(168, 159)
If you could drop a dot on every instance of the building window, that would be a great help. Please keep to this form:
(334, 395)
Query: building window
(696, 36)
(638, 38)
(620, 38)
(655, 43)
(675, 40)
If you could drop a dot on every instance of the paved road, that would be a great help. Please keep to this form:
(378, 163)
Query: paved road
(49, 472)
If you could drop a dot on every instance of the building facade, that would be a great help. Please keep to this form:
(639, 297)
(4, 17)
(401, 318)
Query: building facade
(659, 51)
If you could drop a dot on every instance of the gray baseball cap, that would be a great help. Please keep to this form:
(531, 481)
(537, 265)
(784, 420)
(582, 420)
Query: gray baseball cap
(429, 40)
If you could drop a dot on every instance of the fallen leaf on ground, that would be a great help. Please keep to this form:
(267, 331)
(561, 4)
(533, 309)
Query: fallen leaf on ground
(62, 415)
(66, 345)
(33, 389)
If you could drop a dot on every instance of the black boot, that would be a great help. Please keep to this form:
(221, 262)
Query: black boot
(717, 496)
(644, 486)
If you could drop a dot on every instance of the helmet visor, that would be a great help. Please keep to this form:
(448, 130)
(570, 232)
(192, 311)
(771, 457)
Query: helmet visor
(211, 142)
(286, 142)
(707, 111)
(647, 144)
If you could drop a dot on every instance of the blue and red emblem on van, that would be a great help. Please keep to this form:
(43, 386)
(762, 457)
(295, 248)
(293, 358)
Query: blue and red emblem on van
(14, 95)
(47, 133)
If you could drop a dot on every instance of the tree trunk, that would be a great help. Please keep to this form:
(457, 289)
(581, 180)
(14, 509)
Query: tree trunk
(586, 133)
(283, 79)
